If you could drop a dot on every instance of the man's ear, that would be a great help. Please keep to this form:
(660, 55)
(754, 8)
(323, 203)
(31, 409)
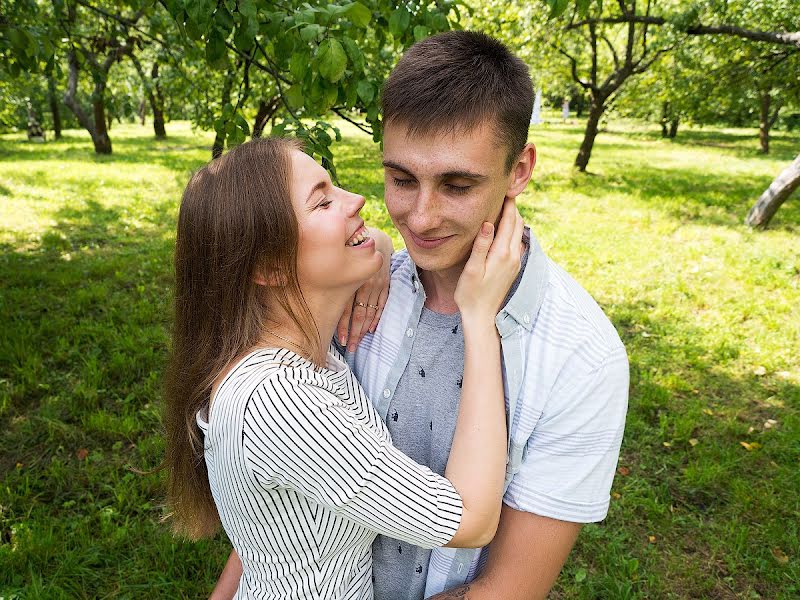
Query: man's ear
(521, 172)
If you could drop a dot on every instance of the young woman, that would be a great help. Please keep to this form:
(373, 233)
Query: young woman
(267, 429)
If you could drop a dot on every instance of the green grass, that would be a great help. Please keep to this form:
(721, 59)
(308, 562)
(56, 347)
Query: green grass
(709, 312)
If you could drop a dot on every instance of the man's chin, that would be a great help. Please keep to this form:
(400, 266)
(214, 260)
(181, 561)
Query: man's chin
(432, 261)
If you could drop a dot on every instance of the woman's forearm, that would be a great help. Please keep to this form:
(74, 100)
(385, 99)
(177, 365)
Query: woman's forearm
(228, 581)
(476, 466)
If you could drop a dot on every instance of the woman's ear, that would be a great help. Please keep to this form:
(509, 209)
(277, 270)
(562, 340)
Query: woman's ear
(270, 279)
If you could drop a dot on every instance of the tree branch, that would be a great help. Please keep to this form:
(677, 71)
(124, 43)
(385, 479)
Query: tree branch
(574, 64)
(612, 50)
(361, 126)
(786, 38)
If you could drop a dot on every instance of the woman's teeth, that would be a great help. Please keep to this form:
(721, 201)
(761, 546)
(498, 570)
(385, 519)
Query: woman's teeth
(360, 236)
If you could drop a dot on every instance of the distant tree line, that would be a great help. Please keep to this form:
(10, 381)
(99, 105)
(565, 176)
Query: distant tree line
(238, 67)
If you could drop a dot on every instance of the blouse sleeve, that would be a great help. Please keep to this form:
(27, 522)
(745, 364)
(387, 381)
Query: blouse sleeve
(303, 437)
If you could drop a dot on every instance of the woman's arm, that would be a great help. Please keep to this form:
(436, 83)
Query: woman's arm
(476, 466)
(229, 579)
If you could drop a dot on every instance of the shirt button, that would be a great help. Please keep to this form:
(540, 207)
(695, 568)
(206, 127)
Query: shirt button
(410, 332)
(526, 318)
(386, 393)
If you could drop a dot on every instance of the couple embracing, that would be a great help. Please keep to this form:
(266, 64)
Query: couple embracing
(447, 440)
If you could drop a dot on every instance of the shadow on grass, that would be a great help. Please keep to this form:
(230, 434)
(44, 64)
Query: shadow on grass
(693, 195)
(715, 508)
(168, 153)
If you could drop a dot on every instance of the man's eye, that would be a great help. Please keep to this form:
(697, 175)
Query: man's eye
(401, 182)
(458, 189)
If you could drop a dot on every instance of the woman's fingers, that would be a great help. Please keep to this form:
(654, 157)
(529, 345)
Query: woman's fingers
(372, 309)
(344, 323)
(476, 262)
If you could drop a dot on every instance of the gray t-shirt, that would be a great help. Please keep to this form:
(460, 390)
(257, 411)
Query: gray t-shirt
(421, 420)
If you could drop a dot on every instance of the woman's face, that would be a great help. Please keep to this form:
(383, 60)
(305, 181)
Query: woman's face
(329, 255)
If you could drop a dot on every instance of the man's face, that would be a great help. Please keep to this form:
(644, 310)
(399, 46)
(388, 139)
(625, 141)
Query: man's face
(440, 188)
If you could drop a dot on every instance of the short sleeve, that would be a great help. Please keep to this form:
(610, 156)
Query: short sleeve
(572, 454)
(303, 437)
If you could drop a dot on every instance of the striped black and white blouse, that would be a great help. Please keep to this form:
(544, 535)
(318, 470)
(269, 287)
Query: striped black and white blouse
(304, 476)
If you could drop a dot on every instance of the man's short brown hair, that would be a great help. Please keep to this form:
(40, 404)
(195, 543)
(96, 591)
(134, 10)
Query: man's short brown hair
(457, 80)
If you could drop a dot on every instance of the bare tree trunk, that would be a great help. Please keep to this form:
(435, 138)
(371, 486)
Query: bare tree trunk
(775, 195)
(763, 122)
(265, 112)
(664, 119)
(673, 127)
(596, 109)
(54, 109)
(766, 119)
(158, 105)
(102, 143)
(154, 96)
(99, 133)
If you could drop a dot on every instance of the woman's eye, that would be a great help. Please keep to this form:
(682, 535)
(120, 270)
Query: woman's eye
(401, 182)
(458, 189)
(324, 204)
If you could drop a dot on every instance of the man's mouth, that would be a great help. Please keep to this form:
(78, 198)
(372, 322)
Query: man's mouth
(428, 242)
(359, 237)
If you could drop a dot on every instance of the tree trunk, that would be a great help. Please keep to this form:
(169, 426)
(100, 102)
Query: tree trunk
(265, 112)
(154, 96)
(673, 127)
(102, 143)
(54, 109)
(596, 108)
(763, 122)
(96, 126)
(775, 195)
(158, 105)
(664, 119)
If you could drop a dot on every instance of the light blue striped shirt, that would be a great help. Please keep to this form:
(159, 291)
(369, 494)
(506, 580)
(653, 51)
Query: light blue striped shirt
(566, 392)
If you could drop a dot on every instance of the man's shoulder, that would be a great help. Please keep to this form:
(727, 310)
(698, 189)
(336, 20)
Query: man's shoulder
(570, 319)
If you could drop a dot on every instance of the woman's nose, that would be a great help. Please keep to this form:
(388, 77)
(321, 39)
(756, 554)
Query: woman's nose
(356, 203)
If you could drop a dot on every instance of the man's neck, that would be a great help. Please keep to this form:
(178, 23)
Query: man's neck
(440, 289)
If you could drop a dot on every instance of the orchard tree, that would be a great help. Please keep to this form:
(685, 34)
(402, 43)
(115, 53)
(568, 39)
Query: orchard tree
(320, 60)
(775, 23)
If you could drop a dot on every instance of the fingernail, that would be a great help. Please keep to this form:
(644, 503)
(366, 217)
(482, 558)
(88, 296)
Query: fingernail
(343, 340)
(486, 228)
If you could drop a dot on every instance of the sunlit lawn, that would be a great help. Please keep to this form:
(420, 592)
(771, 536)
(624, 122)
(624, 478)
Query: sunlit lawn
(706, 504)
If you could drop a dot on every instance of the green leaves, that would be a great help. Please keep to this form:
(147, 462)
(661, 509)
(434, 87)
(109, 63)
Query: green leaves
(331, 59)
(215, 50)
(557, 7)
(366, 91)
(399, 22)
(359, 14)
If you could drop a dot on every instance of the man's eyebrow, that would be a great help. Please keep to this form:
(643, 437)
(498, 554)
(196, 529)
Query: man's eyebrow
(397, 167)
(319, 186)
(464, 175)
(447, 175)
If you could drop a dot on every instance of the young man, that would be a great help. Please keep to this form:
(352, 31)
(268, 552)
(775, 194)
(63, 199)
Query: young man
(456, 110)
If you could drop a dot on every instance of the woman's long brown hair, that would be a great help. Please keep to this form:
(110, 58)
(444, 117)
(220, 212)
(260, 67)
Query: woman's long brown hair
(236, 220)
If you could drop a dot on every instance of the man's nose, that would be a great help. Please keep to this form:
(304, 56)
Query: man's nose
(424, 214)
